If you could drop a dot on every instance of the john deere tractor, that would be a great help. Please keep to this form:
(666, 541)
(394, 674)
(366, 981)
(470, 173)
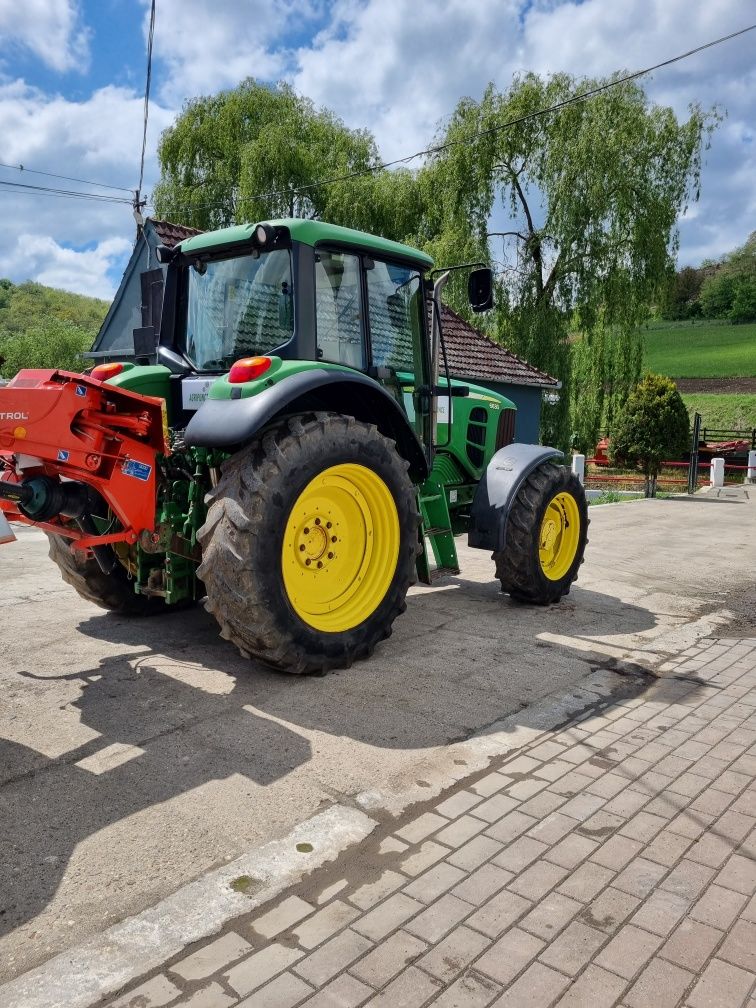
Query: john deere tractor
(289, 447)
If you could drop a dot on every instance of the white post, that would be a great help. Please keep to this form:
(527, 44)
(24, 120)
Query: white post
(578, 467)
(6, 532)
(751, 470)
(716, 479)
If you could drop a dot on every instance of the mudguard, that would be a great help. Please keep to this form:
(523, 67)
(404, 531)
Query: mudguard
(497, 489)
(227, 423)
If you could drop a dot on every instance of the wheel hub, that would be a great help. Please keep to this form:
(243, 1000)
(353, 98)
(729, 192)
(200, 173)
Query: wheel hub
(315, 542)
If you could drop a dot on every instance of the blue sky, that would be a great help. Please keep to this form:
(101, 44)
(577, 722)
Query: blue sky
(72, 79)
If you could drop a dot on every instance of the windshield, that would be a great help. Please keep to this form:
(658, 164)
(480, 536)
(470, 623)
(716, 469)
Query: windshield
(238, 307)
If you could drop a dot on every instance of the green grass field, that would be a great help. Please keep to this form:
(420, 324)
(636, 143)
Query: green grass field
(723, 409)
(701, 349)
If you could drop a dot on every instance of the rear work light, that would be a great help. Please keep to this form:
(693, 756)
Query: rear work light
(247, 368)
(104, 371)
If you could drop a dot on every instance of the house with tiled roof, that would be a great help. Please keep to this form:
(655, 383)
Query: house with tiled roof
(472, 356)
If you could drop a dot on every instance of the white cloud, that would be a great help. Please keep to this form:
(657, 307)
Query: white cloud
(206, 53)
(50, 29)
(395, 69)
(399, 73)
(66, 268)
(97, 139)
(399, 76)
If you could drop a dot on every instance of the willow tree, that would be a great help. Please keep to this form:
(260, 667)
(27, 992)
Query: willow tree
(256, 152)
(580, 207)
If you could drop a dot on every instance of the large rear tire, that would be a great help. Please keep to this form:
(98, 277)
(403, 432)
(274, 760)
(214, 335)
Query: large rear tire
(547, 532)
(310, 542)
(114, 591)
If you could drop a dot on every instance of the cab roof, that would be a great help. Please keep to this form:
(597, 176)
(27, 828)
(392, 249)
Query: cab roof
(309, 232)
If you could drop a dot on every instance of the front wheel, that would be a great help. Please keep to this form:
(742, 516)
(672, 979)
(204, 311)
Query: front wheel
(309, 545)
(547, 533)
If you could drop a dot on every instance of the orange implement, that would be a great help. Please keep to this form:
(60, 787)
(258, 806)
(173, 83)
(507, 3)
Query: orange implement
(70, 426)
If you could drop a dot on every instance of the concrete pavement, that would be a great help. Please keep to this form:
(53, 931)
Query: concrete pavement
(116, 733)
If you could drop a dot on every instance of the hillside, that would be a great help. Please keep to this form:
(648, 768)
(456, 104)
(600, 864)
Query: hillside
(45, 327)
(701, 349)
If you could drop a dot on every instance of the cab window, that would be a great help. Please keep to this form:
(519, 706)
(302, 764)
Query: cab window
(394, 299)
(340, 319)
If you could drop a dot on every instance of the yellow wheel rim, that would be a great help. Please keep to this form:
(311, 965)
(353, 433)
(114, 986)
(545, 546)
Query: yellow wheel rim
(340, 548)
(559, 536)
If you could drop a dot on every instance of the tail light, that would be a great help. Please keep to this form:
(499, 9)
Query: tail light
(104, 371)
(247, 368)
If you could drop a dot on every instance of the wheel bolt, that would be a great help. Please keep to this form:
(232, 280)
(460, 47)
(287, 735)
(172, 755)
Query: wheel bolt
(328, 524)
(317, 521)
(333, 539)
(306, 531)
(320, 563)
(330, 556)
(301, 548)
(308, 561)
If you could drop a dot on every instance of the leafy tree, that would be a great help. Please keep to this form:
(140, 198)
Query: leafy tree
(683, 297)
(652, 426)
(52, 343)
(591, 196)
(730, 291)
(45, 327)
(226, 151)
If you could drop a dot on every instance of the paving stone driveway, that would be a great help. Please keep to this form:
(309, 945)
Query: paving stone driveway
(612, 862)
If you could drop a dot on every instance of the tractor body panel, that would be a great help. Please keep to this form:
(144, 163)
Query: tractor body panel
(497, 489)
(233, 414)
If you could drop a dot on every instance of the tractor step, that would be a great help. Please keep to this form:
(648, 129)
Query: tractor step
(436, 527)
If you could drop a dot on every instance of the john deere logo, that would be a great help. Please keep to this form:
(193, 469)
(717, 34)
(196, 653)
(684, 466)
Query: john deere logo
(14, 416)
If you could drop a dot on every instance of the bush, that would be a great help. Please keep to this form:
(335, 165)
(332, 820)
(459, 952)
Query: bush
(652, 426)
(50, 343)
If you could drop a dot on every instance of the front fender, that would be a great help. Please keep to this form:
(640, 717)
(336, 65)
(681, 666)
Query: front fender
(228, 423)
(497, 489)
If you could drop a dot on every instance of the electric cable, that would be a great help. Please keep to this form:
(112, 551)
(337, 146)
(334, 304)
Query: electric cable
(68, 193)
(65, 178)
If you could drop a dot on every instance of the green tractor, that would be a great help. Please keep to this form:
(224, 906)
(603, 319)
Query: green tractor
(312, 453)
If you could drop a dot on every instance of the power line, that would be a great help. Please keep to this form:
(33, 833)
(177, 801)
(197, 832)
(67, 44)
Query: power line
(150, 36)
(69, 193)
(65, 178)
(582, 96)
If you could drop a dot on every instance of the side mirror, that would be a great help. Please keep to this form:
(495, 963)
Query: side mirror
(480, 289)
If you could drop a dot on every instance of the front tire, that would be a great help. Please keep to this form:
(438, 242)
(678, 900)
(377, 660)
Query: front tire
(547, 532)
(310, 542)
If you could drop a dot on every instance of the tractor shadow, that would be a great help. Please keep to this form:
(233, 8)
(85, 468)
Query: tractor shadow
(155, 736)
(177, 708)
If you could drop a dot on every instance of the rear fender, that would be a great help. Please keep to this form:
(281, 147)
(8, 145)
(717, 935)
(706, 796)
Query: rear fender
(230, 423)
(497, 490)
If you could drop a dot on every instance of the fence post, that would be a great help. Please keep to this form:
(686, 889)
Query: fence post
(578, 466)
(751, 470)
(716, 479)
(6, 532)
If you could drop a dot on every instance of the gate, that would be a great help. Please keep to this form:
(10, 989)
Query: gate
(693, 466)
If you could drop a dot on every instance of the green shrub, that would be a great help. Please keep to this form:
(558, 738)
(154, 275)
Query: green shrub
(652, 426)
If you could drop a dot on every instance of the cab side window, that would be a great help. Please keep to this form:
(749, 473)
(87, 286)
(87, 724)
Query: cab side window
(338, 300)
(394, 300)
